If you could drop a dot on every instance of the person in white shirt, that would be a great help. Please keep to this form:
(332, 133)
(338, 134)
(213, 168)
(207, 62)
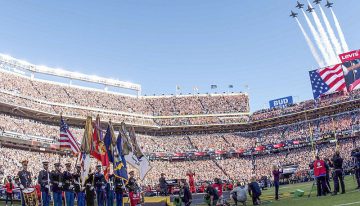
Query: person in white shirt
(239, 194)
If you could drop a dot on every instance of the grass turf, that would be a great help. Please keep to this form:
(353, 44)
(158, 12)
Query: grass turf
(351, 197)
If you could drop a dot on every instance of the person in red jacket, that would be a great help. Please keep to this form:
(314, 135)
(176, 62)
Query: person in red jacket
(191, 175)
(9, 186)
(219, 187)
(320, 175)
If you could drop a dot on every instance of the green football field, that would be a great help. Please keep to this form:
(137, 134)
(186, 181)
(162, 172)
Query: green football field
(352, 196)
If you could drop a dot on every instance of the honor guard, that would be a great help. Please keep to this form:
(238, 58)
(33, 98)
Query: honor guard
(44, 182)
(100, 184)
(110, 187)
(79, 189)
(134, 190)
(119, 190)
(68, 185)
(89, 190)
(56, 180)
(24, 179)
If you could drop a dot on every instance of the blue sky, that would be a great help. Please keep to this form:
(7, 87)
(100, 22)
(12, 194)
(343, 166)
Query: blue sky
(160, 43)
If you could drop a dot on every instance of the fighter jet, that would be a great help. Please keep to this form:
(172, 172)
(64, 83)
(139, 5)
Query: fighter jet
(299, 5)
(310, 9)
(317, 1)
(328, 4)
(293, 14)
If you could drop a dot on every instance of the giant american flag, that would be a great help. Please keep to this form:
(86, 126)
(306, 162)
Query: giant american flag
(327, 80)
(67, 140)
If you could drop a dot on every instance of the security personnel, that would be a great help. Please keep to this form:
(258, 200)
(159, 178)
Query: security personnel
(24, 179)
(110, 191)
(100, 184)
(89, 190)
(320, 175)
(338, 173)
(56, 178)
(79, 189)
(134, 190)
(119, 190)
(44, 182)
(69, 185)
(356, 155)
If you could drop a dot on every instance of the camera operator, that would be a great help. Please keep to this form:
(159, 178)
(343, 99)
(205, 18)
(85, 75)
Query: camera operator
(356, 154)
(320, 174)
(338, 173)
(163, 185)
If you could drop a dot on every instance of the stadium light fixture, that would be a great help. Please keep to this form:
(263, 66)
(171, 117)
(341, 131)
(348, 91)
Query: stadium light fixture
(68, 74)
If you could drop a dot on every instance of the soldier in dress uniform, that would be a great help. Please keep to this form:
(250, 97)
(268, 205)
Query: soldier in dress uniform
(79, 189)
(134, 190)
(44, 182)
(68, 185)
(89, 190)
(119, 190)
(24, 179)
(100, 184)
(56, 179)
(110, 191)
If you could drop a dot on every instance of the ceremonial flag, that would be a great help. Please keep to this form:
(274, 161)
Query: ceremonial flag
(133, 153)
(114, 155)
(86, 148)
(327, 80)
(67, 140)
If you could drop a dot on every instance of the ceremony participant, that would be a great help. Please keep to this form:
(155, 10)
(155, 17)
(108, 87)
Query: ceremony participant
(79, 189)
(320, 175)
(110, 190)
(9, 187)
(24, 179)
(338, 173)
(56, 179)
(100, 184)
(276, 174)
(134, 190)
(254, 191)
(89, 190)
(119, 190)
(68, 185)
(356, 155)
(212, 194)
(191, 175)
(238, 194)
(184, 193)
(44, 182)
(163, 185)
(218, 186)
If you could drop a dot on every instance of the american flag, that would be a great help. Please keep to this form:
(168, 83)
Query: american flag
(327, 80)
(67, 140)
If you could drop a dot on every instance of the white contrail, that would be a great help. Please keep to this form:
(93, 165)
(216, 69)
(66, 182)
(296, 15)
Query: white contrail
(317, 39)
(331, 32)
(311, 45)
(340, 32)
(324, 37)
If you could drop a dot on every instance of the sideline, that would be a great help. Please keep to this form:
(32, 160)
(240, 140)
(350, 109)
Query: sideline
(351, 203)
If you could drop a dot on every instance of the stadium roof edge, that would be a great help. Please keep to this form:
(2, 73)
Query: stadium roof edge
(68, 74)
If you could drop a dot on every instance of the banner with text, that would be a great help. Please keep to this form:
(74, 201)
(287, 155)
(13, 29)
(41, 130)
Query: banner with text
(351, 67)
(282, 102)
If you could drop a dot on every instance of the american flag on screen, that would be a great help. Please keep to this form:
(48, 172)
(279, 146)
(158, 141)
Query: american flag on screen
(67, 140)
(327, 80)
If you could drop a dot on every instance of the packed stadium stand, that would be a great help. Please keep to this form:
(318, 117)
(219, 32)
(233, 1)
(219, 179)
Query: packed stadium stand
(213, 135)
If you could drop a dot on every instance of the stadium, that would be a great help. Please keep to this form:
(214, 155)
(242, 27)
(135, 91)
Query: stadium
(193, 139)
